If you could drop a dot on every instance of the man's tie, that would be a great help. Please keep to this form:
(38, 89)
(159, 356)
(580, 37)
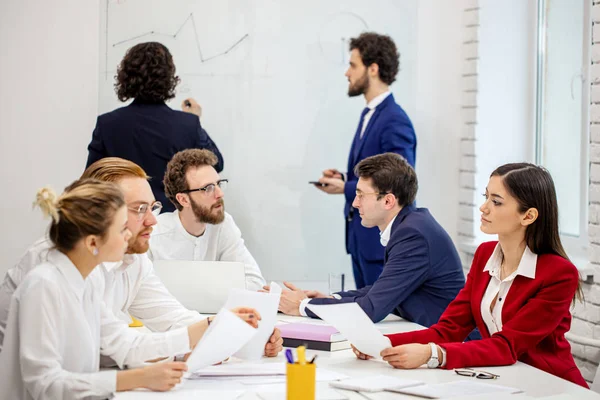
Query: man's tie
(362, 121)
(358, 136)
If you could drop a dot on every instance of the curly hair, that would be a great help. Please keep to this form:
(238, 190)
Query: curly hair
(378, 49)
(147, 73)
(175, 181)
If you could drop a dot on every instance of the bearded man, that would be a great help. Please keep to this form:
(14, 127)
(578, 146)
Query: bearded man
(200, 229)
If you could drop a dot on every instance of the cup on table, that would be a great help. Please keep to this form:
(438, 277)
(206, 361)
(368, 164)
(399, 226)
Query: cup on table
(336, 283)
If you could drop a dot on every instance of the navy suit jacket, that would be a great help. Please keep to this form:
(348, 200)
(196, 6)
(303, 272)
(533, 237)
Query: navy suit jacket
(422, 273)
(149, 134)
(389, 130)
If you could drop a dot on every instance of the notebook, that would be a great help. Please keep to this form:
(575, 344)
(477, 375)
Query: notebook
(314, 337)
(377, 383)
(454, 389)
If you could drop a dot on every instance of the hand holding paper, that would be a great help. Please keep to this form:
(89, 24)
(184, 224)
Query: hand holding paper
(355, 325)
(266, 304)
(226, 334)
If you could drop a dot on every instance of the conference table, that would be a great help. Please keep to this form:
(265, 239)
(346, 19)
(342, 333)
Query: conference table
(531, 381)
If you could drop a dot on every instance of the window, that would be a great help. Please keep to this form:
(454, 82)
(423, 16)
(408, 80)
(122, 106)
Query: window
(562, 104)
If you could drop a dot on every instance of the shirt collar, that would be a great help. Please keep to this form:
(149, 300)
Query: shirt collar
(385, 235)
(182, 230)
(128, 259)
(526, 268)
(377, 100)
(69, 271)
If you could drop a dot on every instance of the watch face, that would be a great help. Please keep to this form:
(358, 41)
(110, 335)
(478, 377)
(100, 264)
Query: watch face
(433, 363)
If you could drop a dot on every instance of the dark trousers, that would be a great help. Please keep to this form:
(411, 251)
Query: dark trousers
(365, 272)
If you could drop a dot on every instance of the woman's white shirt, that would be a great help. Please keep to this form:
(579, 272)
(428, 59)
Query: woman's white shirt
(58, 325)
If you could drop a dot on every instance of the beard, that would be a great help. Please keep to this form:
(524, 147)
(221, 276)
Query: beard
(207, 215)
(137, 244)
(360, 87)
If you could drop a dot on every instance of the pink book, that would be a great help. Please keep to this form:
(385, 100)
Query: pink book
(321, 333)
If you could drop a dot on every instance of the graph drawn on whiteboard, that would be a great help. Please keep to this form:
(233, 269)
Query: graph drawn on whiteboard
(180, 41)
(335, 34)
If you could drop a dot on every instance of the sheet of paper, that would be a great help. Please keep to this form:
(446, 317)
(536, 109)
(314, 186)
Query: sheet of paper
(226, 334)
(241, 369)
(266, 304)
(180, 394)
(323, 375)
(455, 389)
(377, 383)
(355, 325)
(322, 393)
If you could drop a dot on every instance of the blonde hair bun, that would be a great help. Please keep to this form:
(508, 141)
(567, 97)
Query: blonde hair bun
(45, 199)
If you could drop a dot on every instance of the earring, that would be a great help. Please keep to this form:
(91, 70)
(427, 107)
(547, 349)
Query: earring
(95, 251)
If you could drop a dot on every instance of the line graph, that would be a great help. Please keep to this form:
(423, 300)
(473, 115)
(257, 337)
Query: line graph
(155, 33)
(174, 36)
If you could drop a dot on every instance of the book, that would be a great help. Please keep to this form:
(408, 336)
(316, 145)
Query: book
(321, 333)
(377, 383)
(314, 337)
(317, 345)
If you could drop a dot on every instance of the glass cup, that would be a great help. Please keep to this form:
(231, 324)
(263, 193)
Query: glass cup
(336, 283)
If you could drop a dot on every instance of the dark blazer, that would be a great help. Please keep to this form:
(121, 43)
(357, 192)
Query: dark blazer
(149, 134)
(422, 272)
(389, 130)
(535, 318)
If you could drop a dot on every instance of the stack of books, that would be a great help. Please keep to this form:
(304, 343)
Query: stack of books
(315, 337)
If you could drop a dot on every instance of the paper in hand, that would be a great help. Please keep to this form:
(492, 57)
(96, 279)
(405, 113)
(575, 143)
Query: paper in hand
(266, 304)
(355, 325)
(226, 334)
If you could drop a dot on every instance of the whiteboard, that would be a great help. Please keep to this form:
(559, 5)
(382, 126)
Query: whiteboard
(270, 78)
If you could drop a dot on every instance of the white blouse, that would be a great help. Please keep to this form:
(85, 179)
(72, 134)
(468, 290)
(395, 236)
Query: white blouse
(130, 289)
(221, 242)
(58, 326)
(500, 288)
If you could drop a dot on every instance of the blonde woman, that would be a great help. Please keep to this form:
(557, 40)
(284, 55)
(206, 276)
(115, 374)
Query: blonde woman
(58, 324)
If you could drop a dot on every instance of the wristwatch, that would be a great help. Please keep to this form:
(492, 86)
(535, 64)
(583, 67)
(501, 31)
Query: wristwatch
(434, 361)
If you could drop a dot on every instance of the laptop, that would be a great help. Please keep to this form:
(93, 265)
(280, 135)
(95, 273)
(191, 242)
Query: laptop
(201, 285)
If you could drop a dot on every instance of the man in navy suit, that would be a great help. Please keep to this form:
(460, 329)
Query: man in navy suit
(383, 127)
(422, 271)
(148, 132)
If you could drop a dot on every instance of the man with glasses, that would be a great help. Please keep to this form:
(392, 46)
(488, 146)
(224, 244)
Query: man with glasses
(422, 272)
(200, 229)
(131, 287)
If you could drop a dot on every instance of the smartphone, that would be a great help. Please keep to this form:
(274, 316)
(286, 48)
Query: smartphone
(317, 183)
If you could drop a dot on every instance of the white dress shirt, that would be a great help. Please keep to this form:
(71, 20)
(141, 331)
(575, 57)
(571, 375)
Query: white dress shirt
(57, 328)
(220, 242)
(500, 288)
(372, 105)
(130, 289)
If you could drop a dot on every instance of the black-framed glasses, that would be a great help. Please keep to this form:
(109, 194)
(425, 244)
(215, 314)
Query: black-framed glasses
(210, 188)
(475, 373)
(142, 209)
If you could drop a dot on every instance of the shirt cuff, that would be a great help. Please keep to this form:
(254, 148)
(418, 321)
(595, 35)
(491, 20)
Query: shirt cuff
(443, 364)
(302, 307)
(344, 177)
(178, 341)
(336, 296)
(103, 383)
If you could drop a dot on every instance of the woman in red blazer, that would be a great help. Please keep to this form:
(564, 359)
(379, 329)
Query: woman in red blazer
(518, 292)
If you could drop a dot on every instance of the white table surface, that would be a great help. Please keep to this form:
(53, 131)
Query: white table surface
(533, 382)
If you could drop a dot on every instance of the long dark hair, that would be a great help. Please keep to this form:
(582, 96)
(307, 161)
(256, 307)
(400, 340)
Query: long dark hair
(533, 187)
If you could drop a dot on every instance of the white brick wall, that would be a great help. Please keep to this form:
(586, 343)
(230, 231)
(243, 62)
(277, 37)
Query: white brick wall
(586, 318)
(469, 115)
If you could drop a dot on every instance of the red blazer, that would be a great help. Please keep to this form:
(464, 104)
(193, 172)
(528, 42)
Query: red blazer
(535, 318)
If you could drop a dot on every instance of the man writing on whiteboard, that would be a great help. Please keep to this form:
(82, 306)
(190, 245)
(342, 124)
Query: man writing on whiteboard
(383, 127)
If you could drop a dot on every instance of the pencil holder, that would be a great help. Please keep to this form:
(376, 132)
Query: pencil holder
(301, 381)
